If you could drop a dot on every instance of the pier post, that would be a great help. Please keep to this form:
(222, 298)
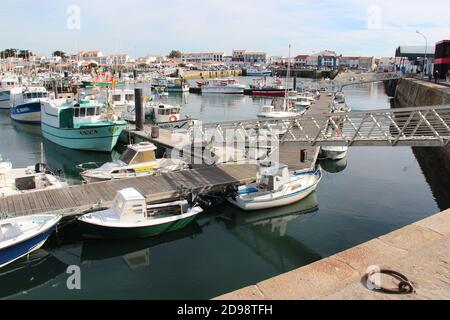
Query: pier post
(139, 109)
(295, 83)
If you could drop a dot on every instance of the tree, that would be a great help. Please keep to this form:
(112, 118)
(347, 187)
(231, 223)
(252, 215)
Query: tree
(174, 54)
(59, 53)
(25, 54)
(7, 53)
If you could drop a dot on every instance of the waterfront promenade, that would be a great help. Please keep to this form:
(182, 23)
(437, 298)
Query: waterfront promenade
(420, 251)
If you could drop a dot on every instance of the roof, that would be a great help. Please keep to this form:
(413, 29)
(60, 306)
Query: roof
(302, 57)
(130, 194)
(414, 51)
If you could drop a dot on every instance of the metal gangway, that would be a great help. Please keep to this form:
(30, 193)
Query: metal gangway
(418, 126)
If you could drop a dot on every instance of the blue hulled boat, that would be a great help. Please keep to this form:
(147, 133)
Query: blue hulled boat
(23, 235)
(26, 106)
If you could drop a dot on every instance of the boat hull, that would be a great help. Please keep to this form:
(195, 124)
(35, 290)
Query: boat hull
(89, 84)
(101, 232)
(93, 138)
(269, 93)
(225, 90)
(27, 113)
(19, 250)
(276, 201)
(259, 74)
(5, 104)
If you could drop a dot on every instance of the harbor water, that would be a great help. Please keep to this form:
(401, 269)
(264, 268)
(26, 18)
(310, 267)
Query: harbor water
(375, 190)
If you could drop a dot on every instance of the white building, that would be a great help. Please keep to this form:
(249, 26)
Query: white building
(202, 57)
(249, 56)
(118, 59)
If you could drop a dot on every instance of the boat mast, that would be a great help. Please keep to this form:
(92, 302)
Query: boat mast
(288, 71)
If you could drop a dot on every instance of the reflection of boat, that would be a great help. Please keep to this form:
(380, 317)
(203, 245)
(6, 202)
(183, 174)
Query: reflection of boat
(94, 250)
(334, 166)
(131, 217)
(29, 273)
(22, 235)
(275, 187)
(276, 219)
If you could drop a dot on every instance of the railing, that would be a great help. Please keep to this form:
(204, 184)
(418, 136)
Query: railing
(420, 126)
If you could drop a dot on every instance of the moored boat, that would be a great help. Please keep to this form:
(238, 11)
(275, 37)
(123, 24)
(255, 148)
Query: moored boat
(82, 125)
(8, 87)
(23, 235)
(137, 160)
(131, 217)
(275, 187)
(223, 86)
(26, 105)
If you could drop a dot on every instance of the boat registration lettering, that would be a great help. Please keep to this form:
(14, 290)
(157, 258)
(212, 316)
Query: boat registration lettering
(88, 132)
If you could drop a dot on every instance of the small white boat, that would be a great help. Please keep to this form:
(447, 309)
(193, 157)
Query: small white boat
(131, 217)
(23, 235)
(270, 112)
(137, 160)
(275, 187)
(333, 152)
(19, 180)
(224, 86)
(9, 86)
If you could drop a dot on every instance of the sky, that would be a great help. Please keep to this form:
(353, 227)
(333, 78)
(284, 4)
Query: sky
(137, 27)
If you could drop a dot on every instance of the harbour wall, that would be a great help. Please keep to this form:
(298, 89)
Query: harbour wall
(433, 161)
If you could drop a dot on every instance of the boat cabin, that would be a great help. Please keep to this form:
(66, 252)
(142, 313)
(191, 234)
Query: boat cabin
(166, 113)
(139, 153)
(267, 109)
(272, 175)
(119, 97)
(8, 83)
(130, 206)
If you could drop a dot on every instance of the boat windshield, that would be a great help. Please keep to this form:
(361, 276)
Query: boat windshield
(118, 205)
(128, 156)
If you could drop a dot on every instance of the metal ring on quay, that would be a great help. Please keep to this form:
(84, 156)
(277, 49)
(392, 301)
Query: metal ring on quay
(404, 287)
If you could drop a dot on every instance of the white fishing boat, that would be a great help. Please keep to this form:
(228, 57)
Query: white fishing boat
(270, 112)
(22, 235)
(333, 152)
(9, 86)
(137, 160)
(155, 113)
(26, 105)
(131, 217)
(258, 72)
(223, 86)
(118, 97)
(20, 180)
(275, 187)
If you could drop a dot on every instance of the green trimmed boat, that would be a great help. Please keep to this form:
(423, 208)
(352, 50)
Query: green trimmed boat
(80, 125)
(90, 84)
(131, 217)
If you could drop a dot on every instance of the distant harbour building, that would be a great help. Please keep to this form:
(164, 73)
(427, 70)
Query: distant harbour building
(202, 57)
(245, 56)
(386, 64)
(412, 58)
(360, 63)
(301, 60)
(118, 59)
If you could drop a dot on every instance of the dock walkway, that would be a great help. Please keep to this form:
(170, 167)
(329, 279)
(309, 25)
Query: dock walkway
(75, 200)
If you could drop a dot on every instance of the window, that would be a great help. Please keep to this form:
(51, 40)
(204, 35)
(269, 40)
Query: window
(90, 111)
(82, 112)
(76, 112)
(175, 111)
(118, 205)
(147, 156)
(129, 97)
(116, 97)
(128, 155)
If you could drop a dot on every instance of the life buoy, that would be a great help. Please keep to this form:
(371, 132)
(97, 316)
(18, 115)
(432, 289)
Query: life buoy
(173, 118)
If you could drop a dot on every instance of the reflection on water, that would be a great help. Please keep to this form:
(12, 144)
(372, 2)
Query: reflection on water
(334, 166)
(29, 273)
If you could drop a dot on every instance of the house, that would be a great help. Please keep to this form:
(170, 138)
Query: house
(202, 57)
(301, 60)
(349, 62)
(386, 64)
(366, 63)
(415, 56)
(118, 59)
(249, 56)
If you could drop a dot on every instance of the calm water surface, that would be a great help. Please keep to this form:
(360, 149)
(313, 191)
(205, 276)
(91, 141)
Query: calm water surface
(372, 192)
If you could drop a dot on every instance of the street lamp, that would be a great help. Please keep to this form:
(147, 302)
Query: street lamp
(426, 48)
